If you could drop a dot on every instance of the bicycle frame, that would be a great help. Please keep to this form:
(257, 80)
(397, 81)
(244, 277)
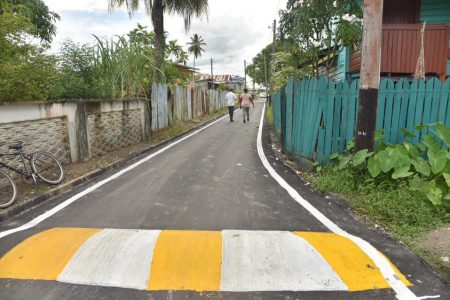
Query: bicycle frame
(23, 156)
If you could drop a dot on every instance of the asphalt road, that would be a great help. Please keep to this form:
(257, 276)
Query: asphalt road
(201, 220)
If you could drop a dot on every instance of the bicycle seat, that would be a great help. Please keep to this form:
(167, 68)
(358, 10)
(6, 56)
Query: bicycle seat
(17, 146)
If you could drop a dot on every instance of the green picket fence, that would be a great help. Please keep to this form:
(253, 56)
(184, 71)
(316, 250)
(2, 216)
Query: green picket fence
(317, 117)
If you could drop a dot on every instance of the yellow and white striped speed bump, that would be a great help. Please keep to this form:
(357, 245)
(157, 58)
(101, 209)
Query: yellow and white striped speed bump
(228, 260)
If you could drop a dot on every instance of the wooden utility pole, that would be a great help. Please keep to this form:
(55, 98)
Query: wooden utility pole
(212, 77)
(370, 74)
(274, 36)
(245, 73)
(265, 75)
(253, 79)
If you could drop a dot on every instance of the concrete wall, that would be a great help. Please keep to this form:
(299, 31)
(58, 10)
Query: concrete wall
(74, 130)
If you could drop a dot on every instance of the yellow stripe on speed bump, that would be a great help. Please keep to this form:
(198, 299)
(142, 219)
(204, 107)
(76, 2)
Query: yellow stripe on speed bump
(187, 260)
(44, 255)
(352, 265)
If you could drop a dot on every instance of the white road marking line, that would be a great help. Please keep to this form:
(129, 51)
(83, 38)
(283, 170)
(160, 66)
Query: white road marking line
(113, 257)
(74, 198)
(274, 261)
(401, 290)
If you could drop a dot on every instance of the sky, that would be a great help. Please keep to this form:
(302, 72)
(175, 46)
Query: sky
(234, 30)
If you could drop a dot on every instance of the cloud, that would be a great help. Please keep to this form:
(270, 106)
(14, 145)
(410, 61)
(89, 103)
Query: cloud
(235, 30)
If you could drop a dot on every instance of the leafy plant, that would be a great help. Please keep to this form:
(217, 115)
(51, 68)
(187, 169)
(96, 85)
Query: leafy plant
(427, 162)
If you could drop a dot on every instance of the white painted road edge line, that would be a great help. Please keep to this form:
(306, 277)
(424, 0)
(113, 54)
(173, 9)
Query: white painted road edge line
(74, 198)
(401, 290)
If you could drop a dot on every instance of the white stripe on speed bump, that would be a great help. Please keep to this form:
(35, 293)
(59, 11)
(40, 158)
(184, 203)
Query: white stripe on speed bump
(113, 257)
(274, 261)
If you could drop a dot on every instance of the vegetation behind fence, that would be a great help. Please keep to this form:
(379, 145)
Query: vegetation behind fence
(317, 117)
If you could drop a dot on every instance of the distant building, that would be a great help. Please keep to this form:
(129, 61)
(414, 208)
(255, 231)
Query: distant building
(233, 82)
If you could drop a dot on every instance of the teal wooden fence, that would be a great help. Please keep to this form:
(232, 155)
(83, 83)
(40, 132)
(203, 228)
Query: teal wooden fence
(317, 117)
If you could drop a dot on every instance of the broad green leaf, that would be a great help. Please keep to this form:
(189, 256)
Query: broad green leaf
(438, 160)
(447, 197)
(373, 166)
(435, 195)
(447, 178)
(343, 163)
(386, 159)
(360, 157)
(412, 150)
(401, 173)
(443, 132)
(407, 133)
(421, 165)
(319, 168)
(431, 143)
(334, 155)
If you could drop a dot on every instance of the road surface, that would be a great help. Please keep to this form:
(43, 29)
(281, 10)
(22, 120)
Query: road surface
(202, 219)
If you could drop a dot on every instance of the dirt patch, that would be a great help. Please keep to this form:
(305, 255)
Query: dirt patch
(27, 190)
(437, 242)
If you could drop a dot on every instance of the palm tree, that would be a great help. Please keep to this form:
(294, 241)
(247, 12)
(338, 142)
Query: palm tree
(195, 46)
(156, 8)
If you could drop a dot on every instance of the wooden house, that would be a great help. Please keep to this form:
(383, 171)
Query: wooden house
(401, 42)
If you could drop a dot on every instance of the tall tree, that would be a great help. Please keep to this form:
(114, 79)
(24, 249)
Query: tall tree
(39, 15)
(195, 46)
(156, 9)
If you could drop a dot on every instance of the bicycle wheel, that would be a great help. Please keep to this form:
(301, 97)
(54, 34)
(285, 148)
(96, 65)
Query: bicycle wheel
(8, 190)
(47, 167)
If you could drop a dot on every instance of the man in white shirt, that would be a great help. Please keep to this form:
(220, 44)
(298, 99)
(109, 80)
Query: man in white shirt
(230, 98)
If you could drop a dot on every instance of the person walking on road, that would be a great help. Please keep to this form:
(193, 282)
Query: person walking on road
(230, 98)
(245, 100)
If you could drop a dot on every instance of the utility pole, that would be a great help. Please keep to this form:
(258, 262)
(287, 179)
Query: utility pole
(253, 79)
(245, 73)
(265, 75)
(212, 77)
(274, 28)
(274, 36)
(370, 74)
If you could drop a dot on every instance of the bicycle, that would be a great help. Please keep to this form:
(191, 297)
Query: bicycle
(41, 165)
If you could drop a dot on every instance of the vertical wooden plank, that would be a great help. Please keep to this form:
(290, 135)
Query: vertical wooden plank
(412, 108)
(328, 119)
(446, 94)
(303, 101)
(437, 91)
(289, 114)
(429, 86)
(396, 112)
(403, 110)
(297, 118)
(312, 91)
(344, 118)
(381, 104)
(337, 115)
(354, 87)
(390, 94)
(320, 146)
(418, 115)
(154, 104)
(316, 115)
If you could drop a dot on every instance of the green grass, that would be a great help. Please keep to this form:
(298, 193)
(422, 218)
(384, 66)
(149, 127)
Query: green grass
(391, 204)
